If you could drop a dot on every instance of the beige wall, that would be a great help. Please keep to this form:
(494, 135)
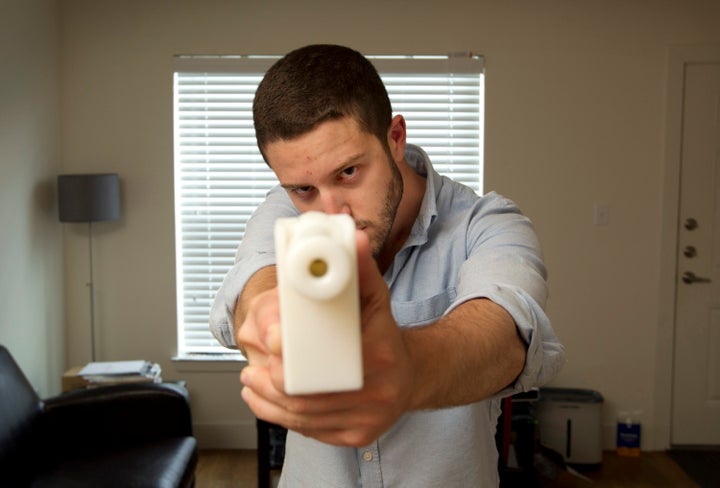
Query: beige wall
(31, 311)
(575, 116)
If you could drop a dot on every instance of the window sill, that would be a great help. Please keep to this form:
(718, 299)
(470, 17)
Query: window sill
(209, 362)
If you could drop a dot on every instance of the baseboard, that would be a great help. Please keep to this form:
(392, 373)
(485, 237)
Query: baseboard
(226, 436)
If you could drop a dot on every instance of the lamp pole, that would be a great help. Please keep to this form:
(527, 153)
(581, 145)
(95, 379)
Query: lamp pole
(92, 292)
(89, 198)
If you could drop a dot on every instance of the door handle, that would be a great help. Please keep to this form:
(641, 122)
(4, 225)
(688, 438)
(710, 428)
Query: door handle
(690, 278)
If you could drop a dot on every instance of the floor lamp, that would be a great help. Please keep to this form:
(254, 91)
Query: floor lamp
(89, 198)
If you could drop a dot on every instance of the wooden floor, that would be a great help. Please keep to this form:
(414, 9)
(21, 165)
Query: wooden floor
(651, 469)
(226, 468)
(238, 469)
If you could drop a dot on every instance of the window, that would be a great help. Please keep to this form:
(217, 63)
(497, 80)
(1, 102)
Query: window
(220, 176)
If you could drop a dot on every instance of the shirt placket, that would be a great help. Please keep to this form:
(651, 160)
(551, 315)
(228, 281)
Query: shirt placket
(370, 469)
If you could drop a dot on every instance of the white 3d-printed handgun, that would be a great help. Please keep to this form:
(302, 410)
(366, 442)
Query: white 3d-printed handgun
(319, 303)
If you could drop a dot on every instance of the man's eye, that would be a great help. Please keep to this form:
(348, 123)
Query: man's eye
(302, 190)
(350, 171)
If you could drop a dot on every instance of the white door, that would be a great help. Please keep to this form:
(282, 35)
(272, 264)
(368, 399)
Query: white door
(696, 370)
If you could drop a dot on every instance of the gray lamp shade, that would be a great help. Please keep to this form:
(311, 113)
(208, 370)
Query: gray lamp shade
(88, 197)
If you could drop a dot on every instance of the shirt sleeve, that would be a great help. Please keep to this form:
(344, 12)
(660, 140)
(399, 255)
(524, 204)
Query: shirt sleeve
(505, 265)
(256, 251)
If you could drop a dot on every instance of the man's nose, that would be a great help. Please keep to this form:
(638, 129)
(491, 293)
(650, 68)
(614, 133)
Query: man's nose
(334, 203)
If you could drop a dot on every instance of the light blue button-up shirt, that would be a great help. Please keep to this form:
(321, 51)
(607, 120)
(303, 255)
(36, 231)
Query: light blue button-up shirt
(462, 246)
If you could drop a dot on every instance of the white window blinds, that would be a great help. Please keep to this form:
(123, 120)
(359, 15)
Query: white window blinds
(220, 176)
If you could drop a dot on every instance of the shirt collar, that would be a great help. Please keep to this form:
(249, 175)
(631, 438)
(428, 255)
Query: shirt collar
(418, 159)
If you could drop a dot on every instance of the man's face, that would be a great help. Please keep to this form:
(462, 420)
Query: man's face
(338, 168)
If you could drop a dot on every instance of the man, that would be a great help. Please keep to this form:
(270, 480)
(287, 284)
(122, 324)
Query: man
(452, 287)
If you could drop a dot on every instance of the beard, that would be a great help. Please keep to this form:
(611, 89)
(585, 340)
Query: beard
(384, 224)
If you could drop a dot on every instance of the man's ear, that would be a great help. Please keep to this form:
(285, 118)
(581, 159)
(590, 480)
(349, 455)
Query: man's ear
(397, 137)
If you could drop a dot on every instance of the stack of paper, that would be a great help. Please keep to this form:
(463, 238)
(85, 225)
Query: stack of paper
(111, 372)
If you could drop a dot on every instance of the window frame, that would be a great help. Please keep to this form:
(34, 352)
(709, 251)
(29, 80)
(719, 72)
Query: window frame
(391, 68)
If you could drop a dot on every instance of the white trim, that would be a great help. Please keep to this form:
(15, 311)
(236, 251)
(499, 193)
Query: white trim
(678, 57)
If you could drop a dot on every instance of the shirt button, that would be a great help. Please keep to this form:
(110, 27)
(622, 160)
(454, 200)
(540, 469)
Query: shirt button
(368, 456)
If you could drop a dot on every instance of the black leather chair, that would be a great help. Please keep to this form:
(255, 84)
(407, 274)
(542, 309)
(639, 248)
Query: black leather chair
(134, 435)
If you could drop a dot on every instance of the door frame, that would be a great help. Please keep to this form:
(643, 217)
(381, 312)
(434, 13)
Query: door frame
(677, 58)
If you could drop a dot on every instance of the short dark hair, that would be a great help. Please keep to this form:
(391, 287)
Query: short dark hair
(315, 84)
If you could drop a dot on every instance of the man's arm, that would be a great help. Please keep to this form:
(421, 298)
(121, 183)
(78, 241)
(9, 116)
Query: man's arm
(255, 252)
(471, 354)
(263, 280)
(467, 356)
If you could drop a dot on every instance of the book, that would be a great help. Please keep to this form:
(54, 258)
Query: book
(115, 372)
(115, 368)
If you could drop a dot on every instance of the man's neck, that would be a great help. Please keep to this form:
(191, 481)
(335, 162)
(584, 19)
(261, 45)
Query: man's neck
(407, 213)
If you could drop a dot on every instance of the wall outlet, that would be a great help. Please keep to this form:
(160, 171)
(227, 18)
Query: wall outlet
(602, 214)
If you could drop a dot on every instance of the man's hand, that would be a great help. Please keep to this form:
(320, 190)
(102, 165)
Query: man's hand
(348, 418)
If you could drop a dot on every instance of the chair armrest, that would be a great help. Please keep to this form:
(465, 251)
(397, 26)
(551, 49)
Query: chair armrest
(118, 414)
